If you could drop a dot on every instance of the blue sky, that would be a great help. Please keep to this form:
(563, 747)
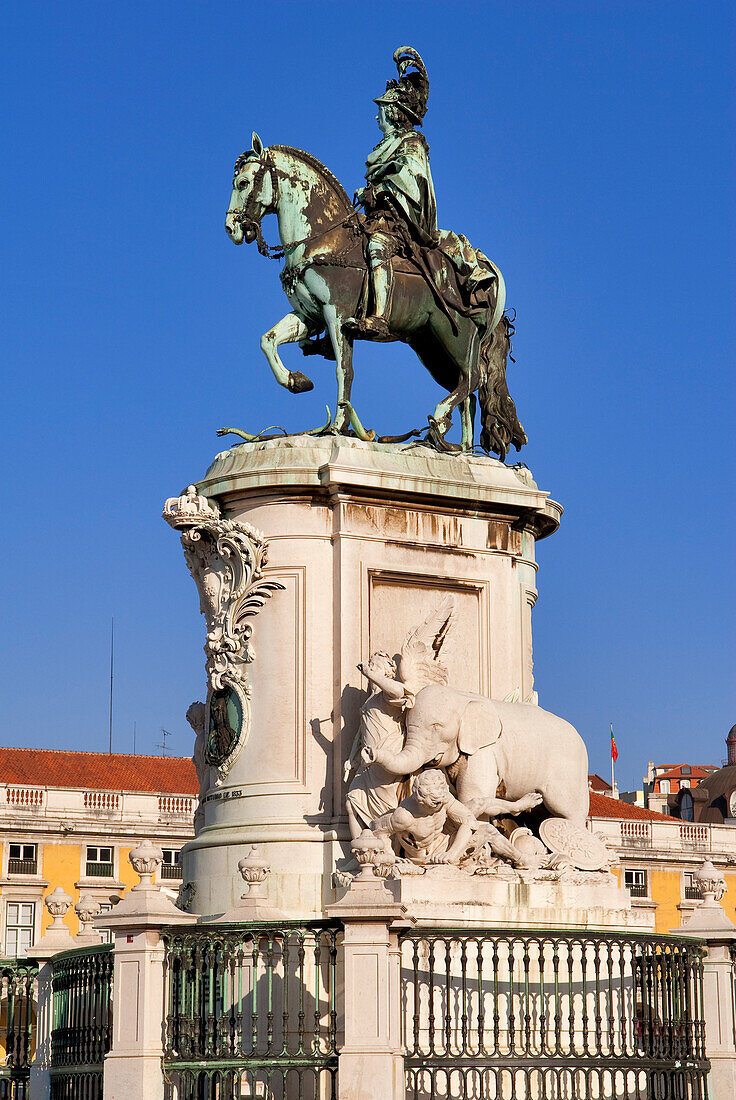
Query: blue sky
(586, 147)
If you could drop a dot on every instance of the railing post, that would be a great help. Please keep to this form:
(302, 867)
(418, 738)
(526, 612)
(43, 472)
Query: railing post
(133, 1068)
(56, 938)
(709, 922)
(371, 1062)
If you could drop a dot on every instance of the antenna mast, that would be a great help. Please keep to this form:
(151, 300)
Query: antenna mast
(112, 666)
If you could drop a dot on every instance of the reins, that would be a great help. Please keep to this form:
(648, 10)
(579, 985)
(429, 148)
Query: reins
(248, 220)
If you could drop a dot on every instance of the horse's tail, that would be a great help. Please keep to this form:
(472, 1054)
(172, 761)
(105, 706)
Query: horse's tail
(500, 426)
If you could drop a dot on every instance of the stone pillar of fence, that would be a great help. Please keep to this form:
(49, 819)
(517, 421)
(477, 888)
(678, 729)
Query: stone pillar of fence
(56, 938)
(133, 1068)
(709, 922)
(371, 1065)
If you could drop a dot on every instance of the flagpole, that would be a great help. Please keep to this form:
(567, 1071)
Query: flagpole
(613, 781)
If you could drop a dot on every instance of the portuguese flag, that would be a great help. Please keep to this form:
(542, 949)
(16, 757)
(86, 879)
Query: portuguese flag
(614, 750)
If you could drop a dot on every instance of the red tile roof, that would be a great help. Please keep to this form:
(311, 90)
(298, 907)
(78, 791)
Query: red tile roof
(598, 783)
(98, 771)
(602, 805)
(697, 771)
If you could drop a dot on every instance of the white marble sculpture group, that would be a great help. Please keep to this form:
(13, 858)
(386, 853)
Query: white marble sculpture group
(438, 775)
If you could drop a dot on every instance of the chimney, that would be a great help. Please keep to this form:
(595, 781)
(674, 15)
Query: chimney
(731, 745)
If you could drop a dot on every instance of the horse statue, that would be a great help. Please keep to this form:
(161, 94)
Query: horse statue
(324, 278)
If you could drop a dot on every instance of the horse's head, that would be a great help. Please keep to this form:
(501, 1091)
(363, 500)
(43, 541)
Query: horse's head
(254, 194)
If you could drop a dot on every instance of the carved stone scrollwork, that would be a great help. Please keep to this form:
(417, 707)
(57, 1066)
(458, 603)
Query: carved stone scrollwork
(226, 559)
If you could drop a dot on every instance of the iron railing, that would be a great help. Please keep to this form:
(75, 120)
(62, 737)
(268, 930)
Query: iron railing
(81, 1021)
(532, 1014)
(98, 870)
(251, 1011)
(22, 866)
(17, 1026)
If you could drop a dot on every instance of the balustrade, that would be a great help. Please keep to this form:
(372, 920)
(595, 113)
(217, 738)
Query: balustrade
(175, 806)
(25, 798)
(101, 801)
(636, 834)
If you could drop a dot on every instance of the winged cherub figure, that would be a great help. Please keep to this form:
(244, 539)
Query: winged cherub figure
(374, 791)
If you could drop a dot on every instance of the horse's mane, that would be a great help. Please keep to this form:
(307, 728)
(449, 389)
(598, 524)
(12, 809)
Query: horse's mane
(319, 168)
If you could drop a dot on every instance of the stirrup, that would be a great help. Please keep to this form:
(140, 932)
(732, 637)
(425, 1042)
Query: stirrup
(370, 328)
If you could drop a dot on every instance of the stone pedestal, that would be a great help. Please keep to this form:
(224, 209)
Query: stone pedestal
(133, 1066)
(710, 924)
(371, 1062)
(576, 900)
(366, 539)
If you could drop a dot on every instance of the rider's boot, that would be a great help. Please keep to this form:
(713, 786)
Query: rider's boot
(376, 325)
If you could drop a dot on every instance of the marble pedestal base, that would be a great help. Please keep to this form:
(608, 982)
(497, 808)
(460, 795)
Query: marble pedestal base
(576, 900)
(366, 540)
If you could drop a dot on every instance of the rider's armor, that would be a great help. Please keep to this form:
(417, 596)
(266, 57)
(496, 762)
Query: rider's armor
(399, 193)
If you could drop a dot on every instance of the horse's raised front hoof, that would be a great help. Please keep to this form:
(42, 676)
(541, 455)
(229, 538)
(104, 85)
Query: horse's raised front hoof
(299, 383)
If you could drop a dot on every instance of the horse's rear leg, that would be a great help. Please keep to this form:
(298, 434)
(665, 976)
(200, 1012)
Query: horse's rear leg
(463, 352)
(467, 412)
(286, 331)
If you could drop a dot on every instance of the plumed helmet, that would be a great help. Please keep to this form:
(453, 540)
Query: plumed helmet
(411, 91)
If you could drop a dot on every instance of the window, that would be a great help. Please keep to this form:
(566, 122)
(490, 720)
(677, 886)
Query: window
(684, 783)
(636, 883)
(685, 770)
(22, 859)
(171, 867)
(691, 891)
(687, 811)
(19, 921)
(99, 862)
(664, 786)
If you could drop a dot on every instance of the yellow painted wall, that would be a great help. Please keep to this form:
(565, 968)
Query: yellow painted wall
(62, 866)
(125, 871)
(729, 901)
(665, 888)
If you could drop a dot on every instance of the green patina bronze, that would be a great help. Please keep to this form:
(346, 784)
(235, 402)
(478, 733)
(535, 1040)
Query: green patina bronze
(384, 272)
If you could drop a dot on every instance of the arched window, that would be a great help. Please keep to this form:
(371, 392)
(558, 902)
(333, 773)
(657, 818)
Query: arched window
(664, 786)
(732, 804)
(686, 806)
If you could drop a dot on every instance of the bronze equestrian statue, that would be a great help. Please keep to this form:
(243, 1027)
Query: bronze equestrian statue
(385, 274)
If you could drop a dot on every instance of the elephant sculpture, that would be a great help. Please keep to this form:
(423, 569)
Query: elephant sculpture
(488, 747)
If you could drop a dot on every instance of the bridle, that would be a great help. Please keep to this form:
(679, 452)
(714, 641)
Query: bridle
(248, 219)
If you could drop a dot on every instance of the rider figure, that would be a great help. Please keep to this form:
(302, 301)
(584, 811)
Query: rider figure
(398, 189)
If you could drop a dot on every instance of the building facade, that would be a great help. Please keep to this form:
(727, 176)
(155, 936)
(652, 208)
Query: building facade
(70, 819)
(658, 856)
(663, 782)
